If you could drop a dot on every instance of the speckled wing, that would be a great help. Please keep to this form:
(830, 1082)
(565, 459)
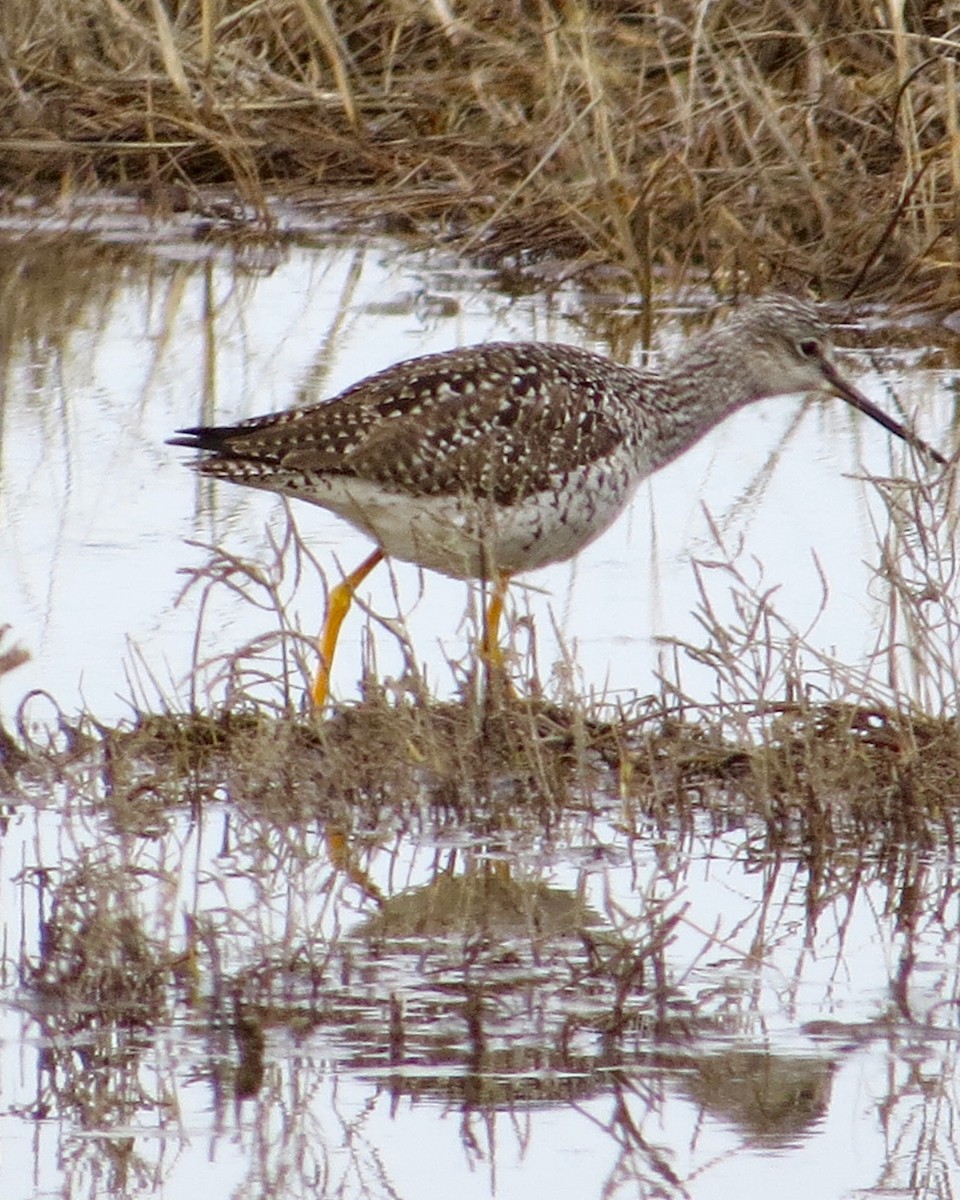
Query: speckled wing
(502, 421)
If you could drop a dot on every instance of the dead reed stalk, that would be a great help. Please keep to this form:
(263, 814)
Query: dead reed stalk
(760, 144)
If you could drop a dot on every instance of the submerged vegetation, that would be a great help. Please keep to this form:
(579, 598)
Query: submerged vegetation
(759, 144)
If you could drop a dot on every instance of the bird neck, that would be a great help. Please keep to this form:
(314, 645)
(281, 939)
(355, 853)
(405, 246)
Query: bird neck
(696, 391)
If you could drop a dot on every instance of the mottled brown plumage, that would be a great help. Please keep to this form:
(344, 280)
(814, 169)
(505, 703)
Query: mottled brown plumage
(494, 459)
(500, 420)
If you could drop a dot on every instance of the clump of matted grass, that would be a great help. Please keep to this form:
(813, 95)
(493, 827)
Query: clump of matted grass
(798, 748)
(842, 774)
(760, 142)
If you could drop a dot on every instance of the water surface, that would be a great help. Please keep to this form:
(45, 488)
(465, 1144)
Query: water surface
(115, 341)
(592, 1004)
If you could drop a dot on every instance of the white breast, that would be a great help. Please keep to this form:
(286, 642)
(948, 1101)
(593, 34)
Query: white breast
(472, 540)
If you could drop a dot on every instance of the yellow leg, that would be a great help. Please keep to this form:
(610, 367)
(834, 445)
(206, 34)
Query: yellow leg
(338, 605)
(343, 859)
(490, 650)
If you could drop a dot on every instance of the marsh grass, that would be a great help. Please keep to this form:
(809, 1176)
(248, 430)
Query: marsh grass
(793, 745)
(761, 143)
(369, 883)
(670, 139)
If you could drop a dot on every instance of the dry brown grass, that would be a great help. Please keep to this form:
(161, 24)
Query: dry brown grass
(848, 777)
(800, 749)
(11, 657)
(760, 143)
(818, 778)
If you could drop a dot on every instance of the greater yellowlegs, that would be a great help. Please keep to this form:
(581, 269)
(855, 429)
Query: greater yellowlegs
(490, 460)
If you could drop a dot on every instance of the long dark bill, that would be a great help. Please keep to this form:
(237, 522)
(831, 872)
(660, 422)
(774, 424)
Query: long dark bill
(846, 391)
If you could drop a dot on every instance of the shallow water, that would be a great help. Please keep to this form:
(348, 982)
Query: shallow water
(115, 341)
(612, 1015)
(624, 1011)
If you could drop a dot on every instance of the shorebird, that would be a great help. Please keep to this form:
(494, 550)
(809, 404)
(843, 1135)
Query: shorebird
(488, 461)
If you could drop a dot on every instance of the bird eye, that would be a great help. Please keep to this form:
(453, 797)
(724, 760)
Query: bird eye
(810, 348)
